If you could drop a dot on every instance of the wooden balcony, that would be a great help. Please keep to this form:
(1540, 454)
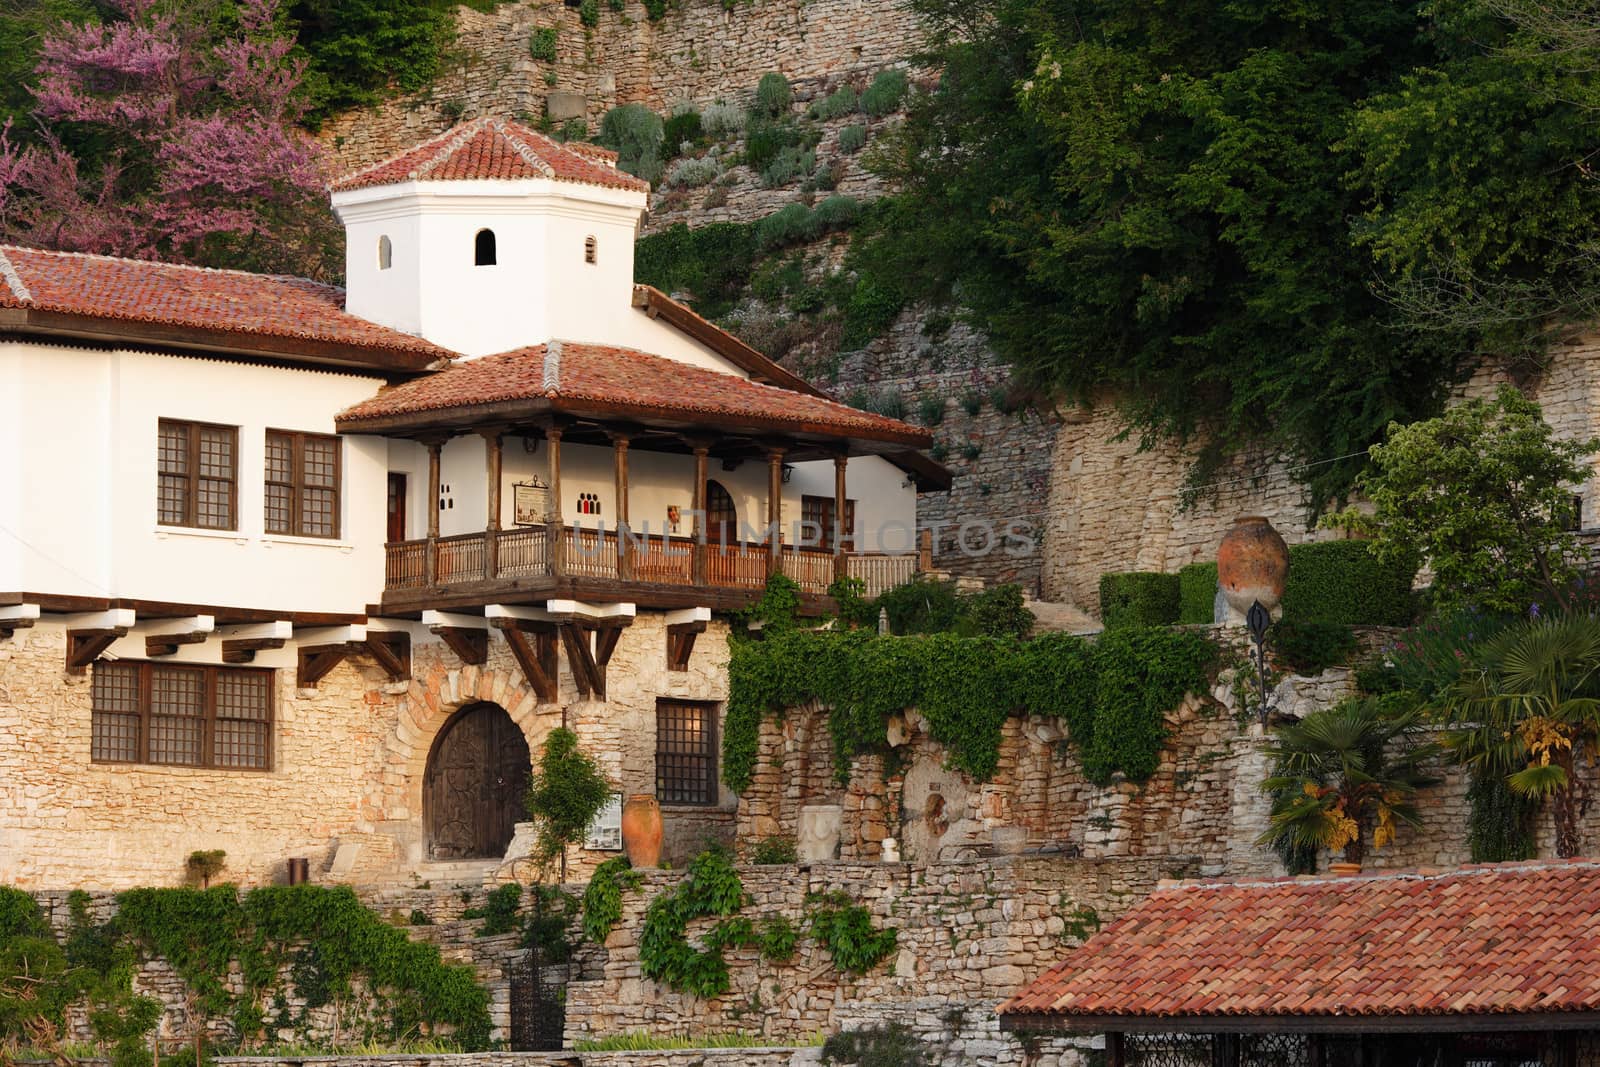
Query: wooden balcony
(528, 563)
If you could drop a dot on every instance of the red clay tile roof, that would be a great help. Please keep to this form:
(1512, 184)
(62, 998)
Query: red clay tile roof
(576, 375)
(198, 298)
(1498, 939)
(494, 148)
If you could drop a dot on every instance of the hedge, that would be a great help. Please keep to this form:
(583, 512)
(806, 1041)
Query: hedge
(1342, 582)
(1197, 594)
(1138, 598)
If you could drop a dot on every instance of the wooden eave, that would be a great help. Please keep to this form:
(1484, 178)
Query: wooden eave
(532, 409)
(235, 344)
(1461, 1023)
(657, 304)
(160, 609)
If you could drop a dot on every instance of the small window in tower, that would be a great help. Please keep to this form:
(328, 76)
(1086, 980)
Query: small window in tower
(483, 249)
(589, 255)
(385, 253)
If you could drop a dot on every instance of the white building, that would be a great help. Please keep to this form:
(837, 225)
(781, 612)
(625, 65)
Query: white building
(242, 512)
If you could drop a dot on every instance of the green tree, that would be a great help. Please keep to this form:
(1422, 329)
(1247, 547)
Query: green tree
(363, 50)
(1346, 775)
(1530, 710)
(1482, 495)
(565, 794)
(1151, 199)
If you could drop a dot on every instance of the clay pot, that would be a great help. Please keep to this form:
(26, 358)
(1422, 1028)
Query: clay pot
(1252, 564)
(641, 830)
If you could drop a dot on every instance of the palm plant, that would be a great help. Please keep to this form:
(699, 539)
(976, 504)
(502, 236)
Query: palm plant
(1345, 774)
(1527, 707)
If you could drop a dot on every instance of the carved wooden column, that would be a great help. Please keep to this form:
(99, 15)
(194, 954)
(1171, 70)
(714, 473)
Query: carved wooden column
(431, 563)
(775, 509)
(841, 562)
(698, 507)
(619, 458)
(494, 453)
(554, 534)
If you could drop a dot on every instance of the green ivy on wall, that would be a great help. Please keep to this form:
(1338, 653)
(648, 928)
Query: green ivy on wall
(1112, 693)
(602, 900)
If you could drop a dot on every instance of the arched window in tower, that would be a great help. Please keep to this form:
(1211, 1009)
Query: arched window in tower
(385, 253)
(590, 253)
(483, 249)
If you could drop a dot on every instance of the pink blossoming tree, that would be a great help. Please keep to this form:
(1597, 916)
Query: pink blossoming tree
(162, 137)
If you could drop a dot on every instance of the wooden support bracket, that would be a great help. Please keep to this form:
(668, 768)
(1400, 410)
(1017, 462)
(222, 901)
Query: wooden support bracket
(392, 651)
(315, 661)
(17, 617)
(85, 646)
(244, 649)
(533, 646)
(589, 648)
(166, 638)
(680, 643)
(470, 644)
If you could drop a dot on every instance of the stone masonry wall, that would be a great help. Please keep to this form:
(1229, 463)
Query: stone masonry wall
(699, 52)
(1113, 507)
(349, 758)
(1204, 800)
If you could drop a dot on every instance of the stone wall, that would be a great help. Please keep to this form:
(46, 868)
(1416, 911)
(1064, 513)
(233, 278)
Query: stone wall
(968, 934)
(1115, 507)
(349, 758)
(1204, 800)
(694, 1057)
(700, 52)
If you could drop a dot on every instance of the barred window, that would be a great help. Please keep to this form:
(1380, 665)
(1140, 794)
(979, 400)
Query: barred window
(197, 467)
(302, 478)
(819, 510)
(179, 715)
(686, 752)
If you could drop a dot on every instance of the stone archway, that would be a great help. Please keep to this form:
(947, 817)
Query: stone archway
(473, 784)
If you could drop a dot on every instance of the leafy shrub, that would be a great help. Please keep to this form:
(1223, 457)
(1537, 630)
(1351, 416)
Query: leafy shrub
(790, 224)
(846, 931)
(773, 95)
(656, 10)
(1343, 582)
(890, 1046)
(692, 173)
(635, 133)
(1500, 827)
(837, 213)
(589, 12)
(852, 139)
(885, 93)
(890, 403)
(712, 262)
(419, 918)
(1197, 593)
(825, 178)
(868, 313)
(777, 939)
(921, 607)
(1138, 598)
(789, 164)
(722, 121)
(542, 45)
(683, 127)
(774, 849)
(573, 130)
(765, 141)
(712, 888)
(842, 101)
(971, 451)
(549, 926)
(499, 913)
(997, 612)
(1312, 647)
(930, 409)
(565, 793)
(971, 402)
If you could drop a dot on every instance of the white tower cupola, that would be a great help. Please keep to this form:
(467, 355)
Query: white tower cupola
(491, 237)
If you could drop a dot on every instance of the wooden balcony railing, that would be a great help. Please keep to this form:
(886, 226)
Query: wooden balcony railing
(530, 552)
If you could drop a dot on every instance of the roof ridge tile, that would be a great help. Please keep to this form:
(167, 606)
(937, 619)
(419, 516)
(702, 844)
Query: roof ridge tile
(14, 282)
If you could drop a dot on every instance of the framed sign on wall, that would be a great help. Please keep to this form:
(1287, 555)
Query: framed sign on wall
(605, 833)
(530, 502)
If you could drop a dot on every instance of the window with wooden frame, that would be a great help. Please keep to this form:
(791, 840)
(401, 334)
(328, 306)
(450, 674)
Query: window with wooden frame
(686, 752)
(197, 474)
(819, 509)
(302, 484)
(181, 715)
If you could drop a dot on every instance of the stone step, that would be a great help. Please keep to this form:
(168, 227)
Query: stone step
(474, 873)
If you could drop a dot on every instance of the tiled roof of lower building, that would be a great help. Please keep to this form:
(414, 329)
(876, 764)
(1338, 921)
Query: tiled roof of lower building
(200, 303)
(581, 377)
(1501, 939)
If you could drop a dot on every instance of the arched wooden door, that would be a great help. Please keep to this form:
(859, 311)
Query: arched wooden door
(722, 518)
(472, 791)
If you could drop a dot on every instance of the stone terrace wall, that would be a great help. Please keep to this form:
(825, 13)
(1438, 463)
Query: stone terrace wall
(969, 933)
(706, 1057)
(1204, 800)
(1113, 507)
(699, 52)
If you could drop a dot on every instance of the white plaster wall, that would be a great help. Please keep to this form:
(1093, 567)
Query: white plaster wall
(10, 472)
(886, 506)
(243, 567)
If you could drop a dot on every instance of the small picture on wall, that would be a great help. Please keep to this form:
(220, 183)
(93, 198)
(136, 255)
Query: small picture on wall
(530, 501)
(674, 518)
(605, 833)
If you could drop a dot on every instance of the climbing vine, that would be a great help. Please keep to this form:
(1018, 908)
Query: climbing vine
(602, 900)
(1112, 693)
(665, 955)
(1500, 826)
(845, 929)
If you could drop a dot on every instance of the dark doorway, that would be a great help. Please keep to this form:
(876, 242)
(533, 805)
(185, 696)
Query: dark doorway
(722, 518)
(397, 507)
(472, 792)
